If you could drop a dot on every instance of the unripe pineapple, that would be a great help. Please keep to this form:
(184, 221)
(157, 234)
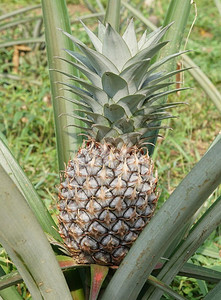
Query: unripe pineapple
(109, 191)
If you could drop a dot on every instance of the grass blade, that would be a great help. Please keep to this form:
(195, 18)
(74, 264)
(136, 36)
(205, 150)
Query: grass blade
(17, 22)
(18, 12)
(10, 165)
(19, 78)
(27, 245)
(55, 16)
(165, 226)
(22, 42)
(88, 16)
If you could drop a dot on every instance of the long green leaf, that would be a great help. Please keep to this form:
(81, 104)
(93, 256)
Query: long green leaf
(66, 262)
(10, 279)
(214, 294)
(8, 293)
(178, 12)
(55, 16)
(112, 15)
(201, 230)
(27, 245)
(165, 226)
(199, 272)
(10, 165)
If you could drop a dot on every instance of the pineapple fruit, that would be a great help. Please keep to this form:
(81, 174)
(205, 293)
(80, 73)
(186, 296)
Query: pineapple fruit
(108, 193)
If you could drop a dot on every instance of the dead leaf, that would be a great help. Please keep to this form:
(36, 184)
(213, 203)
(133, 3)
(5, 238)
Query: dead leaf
(205, 33)
(18, 50)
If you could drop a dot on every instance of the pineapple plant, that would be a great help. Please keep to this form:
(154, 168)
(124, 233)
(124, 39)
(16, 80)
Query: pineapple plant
(30, 216)
(109, 189)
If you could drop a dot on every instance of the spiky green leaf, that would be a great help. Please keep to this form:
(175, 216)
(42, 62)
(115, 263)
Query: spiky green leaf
(94, 39)
(134, 74)
(114, 85)
(115, 48)
(130, 38)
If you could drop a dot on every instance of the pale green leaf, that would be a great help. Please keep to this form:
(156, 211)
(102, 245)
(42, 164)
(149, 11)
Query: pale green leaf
(146, 53)
(155, 36)
(157, 96)
(204, 273)
(81, 59)
(115, 48)
(130, 38)
(97, 118)
(130, 103)
(114, 85)
(11, 166)
(149, 90)
(97, 93)
(55, 15)
(27, 245)
(95, 106)
(80, 104)
(93, 77)
(94, 39)
(134, 74)
(152, 80)
(142, 39)
(101, 31)
(161, 62)
(114, 112)
(99, 62)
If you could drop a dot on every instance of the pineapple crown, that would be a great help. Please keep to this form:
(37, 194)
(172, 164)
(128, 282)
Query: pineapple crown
(119, 105)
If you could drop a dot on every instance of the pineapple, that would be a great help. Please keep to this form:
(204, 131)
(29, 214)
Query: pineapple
(108, 193)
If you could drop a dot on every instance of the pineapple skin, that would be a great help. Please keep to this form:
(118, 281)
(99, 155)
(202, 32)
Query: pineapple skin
(107, 197)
